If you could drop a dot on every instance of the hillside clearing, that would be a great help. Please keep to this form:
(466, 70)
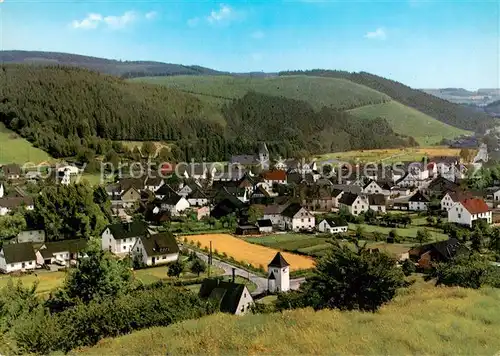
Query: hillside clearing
(421, 320)
(15, 149)
(319, 92)
(245, 252)
(410, 122)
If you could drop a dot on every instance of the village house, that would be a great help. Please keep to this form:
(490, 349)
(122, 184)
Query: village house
(354, 203)
(153, 183)
(466, 211)
(29, 236)
(197, 198)
(372, 187)
(17, 257)
(278, 271)
(119, 238)
(377, 203)
(164, 191)
(319, 198)
(427, 255)
(64, 253)
(233, 298)
(330, 226)
(274, 177)
(9, 204)
(296, 218)
(273, 213)
(156, 249)
(229, 174)
(418, 202)
(175, 204)
(196, 171)
(452, 197)
(11, 171)
(262, 159)
(187, 187)
(439, 186)
(265, 226)
(336, 194)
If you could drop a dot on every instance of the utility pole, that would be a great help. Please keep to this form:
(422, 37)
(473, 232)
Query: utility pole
(209, 259)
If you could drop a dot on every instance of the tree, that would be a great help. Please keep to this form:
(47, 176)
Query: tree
(113, 158)
(198, 266)
(11, 225)
(408, 267)
(495, 240)
(350, 279)
(377, 235)
(423, 235)
(393, 234)
(469, 271)
(477, 240)
(175, 269)
(360, 231)
(98, 275)
(148, 148)
(255, 212)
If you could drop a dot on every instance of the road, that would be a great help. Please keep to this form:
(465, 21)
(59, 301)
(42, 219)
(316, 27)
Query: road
(259, 281)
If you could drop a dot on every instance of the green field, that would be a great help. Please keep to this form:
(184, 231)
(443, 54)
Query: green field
(408, 121)
(15, 149)
(421, 320)
(410, 231)
(318, 91)
(318, 245)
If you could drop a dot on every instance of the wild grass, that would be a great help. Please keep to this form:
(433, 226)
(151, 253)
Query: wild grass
(408, 121)
(421, 320)
(15, 149)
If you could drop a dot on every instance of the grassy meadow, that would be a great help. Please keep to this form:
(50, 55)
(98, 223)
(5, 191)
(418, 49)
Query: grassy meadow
(408, 121)
(391, 155)
(421, 320)
(15, 149)
(318, 91)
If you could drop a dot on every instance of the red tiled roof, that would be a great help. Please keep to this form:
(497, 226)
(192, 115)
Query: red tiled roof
(475, 205)
(275, 175)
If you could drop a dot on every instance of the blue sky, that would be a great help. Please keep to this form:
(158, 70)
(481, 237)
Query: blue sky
(425, 44)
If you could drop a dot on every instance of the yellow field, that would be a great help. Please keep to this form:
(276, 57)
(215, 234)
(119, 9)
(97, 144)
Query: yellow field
(254, 254)
(392, 155)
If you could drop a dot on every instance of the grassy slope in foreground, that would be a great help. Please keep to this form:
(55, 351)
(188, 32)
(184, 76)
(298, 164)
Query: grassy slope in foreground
(408, 121)
(15, 149)
(422, 320)
(319, 92)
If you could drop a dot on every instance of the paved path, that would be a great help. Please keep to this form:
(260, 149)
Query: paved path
(259, 281)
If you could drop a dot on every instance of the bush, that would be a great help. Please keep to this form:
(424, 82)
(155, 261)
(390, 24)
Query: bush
(408, 267)
(86, 324)
(198, 244)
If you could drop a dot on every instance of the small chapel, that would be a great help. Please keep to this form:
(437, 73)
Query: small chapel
(278, 279)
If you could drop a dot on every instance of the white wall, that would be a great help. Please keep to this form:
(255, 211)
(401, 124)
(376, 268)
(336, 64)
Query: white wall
(13, 267)
(246, 302)
(459, 215)
(417, 206)
(266, 229)
(282, 278)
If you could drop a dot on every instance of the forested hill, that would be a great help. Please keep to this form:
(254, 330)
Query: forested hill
(125, 69)
(65, 110)
(442, 110)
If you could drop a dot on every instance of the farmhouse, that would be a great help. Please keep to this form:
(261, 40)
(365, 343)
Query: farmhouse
(11, 171)
(427, 255)
(175, 204)
(450, 198)
(354, 203)
(120, 238)
(274, 177)
(156, 249)
(61, 252)
(273, 213)
(197, 198)
(418, 202)
(466, 211)
(154, 183)
(295, 218)
(278, 271)
(29, 236)
(372, 188)
(8, 204)
(17, 257)
(123, 198)
(164, 191)
(439, 186)
(247, 229)
(330, 226)
(233, 298)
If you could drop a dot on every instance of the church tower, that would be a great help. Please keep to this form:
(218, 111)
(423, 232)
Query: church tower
(278, 279)
(1, 191)
(263, 155)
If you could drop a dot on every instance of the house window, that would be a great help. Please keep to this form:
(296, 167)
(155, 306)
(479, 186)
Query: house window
(309, 220)
(302, 220)
(124, 247)
(30, 262)
(244, 295)
(12, 265)
(459, 216)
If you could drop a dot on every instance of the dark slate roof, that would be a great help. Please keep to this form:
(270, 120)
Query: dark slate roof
(442, 184)
(264, 223)
(126, 230)
(226, 207)
(336, 192)
(14, 202)
(332, 222)
(418, 197)
(278, 261)
(227, 294)
(447, 248)
(127, 183)
(165, 190)
(376, 199)
(160, 244)
(348, 188)
(22, 252)
(348, 198)
(291, 210)
(171, 199)
(73, 246)
(154, 181)
(197, 194)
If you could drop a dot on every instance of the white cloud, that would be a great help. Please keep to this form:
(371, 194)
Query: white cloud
(193, 22)
(258, 35)
(151, 15)
(116, 22)
(225, 13)
(378, 34)
(89, 22)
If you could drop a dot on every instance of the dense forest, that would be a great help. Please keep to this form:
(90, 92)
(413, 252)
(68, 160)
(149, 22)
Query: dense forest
(125, 69)
(67, 110)
(442, 110)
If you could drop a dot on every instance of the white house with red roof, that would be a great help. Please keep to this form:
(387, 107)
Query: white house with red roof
(466, 211)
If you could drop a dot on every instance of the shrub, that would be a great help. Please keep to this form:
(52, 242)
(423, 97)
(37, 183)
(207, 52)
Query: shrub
(408, 267)
(198, 244)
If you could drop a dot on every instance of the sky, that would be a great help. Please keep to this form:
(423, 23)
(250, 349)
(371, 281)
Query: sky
(424, 44)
